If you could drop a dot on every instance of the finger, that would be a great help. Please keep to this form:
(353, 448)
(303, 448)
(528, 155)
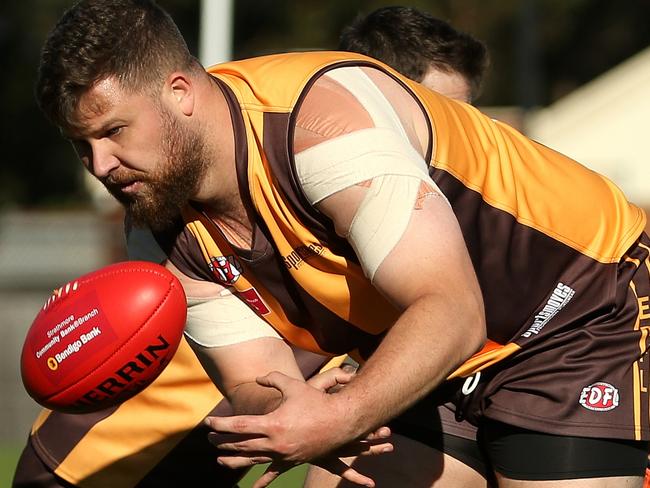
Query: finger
(362, 448)
(248, 446)
(236, 462)
(278, 380)
(353, 476)
(349, 368)
(238, 424)
(272, 472)
(330, 378)
(338, 467)
(217, 438)
(380, 433)
(373, 450)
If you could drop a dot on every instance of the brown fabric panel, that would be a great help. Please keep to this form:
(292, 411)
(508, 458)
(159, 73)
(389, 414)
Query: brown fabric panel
(519, 275)
(183, 251)
(193, 462)
(32, 472)
(61, 432)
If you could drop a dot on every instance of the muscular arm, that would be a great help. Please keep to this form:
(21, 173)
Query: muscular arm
(234, 370)
(414, 253)
(430, 277)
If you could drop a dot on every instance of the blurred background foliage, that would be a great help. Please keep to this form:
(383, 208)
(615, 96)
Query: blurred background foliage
(540, 50)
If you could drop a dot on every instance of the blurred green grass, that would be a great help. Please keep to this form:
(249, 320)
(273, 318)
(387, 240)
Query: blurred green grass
(9, 455)
(291, 479)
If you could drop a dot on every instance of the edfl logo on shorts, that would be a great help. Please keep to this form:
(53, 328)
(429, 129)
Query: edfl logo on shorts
(599, 397)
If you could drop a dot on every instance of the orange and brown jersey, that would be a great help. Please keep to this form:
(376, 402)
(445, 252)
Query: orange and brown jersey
(545, 234)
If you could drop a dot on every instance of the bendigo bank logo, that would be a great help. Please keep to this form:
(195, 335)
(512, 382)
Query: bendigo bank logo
(600, 397)
(52, 364)
(226, 269)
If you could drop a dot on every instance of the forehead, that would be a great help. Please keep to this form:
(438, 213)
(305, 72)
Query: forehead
(101, 98)
(451, 84)
(105, 100)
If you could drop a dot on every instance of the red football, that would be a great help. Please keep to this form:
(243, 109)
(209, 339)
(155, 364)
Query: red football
(104, 337)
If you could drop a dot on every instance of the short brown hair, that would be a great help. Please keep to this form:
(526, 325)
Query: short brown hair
(134, 40)
(410, 41)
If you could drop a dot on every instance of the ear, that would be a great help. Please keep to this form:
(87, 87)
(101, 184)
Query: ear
(181, 89)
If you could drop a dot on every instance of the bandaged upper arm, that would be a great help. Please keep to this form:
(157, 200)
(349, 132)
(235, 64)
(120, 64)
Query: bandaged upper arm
(380, 157)
(223, 321)
(395, 172)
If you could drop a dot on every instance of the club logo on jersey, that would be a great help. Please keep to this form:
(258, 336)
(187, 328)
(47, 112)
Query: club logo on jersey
(226, 269)
(599, 397)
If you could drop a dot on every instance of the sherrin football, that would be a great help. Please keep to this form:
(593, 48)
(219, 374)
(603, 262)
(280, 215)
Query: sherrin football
(103, 337)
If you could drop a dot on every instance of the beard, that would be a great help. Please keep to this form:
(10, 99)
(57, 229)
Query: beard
(167, 190)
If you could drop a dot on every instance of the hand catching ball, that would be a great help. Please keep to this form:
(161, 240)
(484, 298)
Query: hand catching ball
(103, 337)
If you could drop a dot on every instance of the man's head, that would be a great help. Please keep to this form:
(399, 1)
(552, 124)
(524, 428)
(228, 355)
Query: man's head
(421, 47)
(134, 41)
(113, 76)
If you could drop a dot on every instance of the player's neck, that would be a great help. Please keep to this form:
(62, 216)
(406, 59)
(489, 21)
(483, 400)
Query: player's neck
(218, 192)
(218, 187)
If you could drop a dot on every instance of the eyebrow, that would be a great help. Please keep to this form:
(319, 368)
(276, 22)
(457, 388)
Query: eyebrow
(81, 134)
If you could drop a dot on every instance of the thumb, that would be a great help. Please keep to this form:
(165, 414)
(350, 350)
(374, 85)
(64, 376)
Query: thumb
(277, 380)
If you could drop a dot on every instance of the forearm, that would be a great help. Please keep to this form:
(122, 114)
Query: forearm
(432, 337)
(253, 399)
(235, 368)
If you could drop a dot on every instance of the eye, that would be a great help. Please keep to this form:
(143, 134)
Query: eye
(113, 131)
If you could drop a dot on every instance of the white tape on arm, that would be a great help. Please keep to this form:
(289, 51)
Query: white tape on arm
(396, 170)
(382, 219)
(223, 321)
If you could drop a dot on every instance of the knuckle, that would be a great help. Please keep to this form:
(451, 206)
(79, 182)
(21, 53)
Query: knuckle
(240, 425)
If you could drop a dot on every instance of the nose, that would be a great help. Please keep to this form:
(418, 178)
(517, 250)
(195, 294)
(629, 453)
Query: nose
(102, 160)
